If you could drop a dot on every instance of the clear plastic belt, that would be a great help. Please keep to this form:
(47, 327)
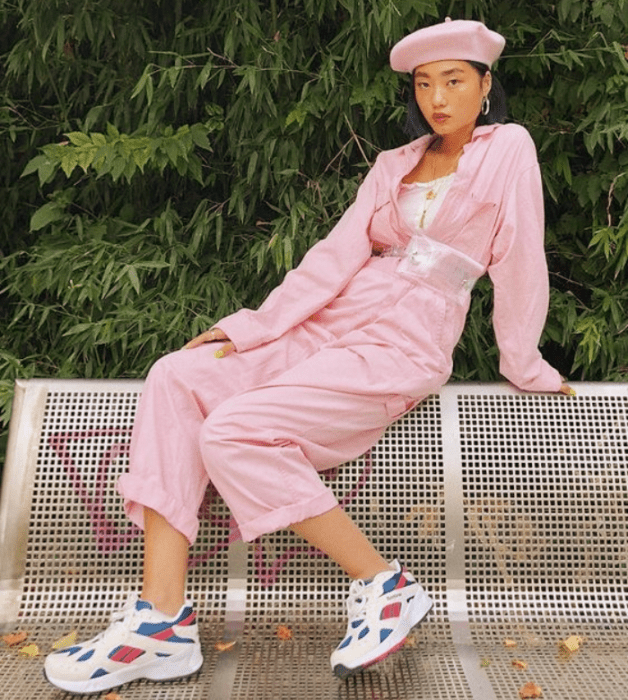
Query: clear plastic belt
(437, 265)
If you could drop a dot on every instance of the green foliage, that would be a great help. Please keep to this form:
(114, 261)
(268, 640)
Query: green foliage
(167, 162)
(120, 155)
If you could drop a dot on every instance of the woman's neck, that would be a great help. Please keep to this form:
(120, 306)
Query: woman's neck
(450, 145)
(440, 158)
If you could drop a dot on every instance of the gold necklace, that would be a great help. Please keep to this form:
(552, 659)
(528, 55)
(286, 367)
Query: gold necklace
(431, 196)
(433, 192)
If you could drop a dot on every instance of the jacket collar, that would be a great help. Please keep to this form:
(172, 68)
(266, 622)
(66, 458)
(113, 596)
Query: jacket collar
(419, 146)
(415, 149)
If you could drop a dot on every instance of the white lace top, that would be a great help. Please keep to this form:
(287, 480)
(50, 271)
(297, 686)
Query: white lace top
(417, 209)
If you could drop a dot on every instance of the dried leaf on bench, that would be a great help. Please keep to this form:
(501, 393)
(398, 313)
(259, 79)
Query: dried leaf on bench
(113, 696)
(530, 690)
(67, 641)
(224, 646)
(510, 643)
(30, 650)
(572, 643)
(410, 640)
(284, 633)
(519, 664)
(14, 638)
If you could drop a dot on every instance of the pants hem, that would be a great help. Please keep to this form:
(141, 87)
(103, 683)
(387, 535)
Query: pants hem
(284, 517)
(139, 493)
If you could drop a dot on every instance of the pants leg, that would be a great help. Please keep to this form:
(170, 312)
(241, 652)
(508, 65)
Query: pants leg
(166, 471)
(262, 448)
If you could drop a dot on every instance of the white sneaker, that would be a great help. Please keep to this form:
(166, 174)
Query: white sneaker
(381, 614)
(141, 642)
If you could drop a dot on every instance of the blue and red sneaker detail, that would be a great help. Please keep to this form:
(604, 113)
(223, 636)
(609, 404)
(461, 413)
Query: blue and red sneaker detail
(381, 614)
(140, 642)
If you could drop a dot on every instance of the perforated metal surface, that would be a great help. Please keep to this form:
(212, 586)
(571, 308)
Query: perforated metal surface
(396, 495)
(511, 509)
(546, 489)
(82, 556)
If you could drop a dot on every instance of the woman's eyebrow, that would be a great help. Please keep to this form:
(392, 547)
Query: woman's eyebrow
(451, 71)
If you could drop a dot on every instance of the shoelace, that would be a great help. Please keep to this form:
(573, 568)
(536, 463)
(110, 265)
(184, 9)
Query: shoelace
(118, 618)
(357, 599)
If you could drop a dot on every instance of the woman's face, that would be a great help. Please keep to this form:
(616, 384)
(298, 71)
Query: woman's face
(449, 94)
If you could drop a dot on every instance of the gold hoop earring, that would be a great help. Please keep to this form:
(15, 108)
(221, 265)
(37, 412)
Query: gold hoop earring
(486, 105)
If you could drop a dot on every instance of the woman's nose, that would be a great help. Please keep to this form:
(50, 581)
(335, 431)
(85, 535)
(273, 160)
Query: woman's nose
(438, 97)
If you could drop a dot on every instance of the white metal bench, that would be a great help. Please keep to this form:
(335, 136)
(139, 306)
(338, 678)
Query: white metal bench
(511, 508)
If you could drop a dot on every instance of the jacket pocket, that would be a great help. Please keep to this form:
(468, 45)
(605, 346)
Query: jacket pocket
(480, 214)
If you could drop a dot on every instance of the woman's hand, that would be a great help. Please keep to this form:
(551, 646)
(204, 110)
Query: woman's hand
(215, 334)
(567, 390)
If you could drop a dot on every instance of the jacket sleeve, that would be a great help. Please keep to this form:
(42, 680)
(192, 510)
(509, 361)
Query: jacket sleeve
(518, 270)
(322, 274)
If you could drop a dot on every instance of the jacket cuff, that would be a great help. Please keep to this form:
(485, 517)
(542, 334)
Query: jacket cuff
(241, 329)
(545, 379)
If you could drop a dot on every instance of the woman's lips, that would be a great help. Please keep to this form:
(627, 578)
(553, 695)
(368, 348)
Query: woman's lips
(440, 118)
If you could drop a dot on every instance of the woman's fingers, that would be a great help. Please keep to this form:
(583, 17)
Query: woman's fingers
(207, 337)
(567, 390)
(226, 349)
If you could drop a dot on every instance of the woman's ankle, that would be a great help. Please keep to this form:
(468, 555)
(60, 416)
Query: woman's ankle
(368, 575)
(165, 604)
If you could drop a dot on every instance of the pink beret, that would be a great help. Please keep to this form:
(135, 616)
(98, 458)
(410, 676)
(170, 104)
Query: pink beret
(451, 40)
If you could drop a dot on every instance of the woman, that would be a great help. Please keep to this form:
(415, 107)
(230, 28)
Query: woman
(353, 338)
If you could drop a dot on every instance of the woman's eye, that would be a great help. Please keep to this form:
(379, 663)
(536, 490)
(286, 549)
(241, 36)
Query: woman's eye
(454, 82)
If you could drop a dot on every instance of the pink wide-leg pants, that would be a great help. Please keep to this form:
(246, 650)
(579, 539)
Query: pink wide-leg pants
(260, 424)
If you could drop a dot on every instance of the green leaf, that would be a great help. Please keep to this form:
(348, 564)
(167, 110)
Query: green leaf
(173, 76)
(252, 166)
(34, 164)
(150, 89)
(86, 156)
(45, 215)
(69, 161)
(219, 223)
(298, 114)
(142, 82)
(133, 277)
(199, 136)
(77, 138)
(203, 76)
(140, 157)
(287, 253)
(117, 168)
(44, 167)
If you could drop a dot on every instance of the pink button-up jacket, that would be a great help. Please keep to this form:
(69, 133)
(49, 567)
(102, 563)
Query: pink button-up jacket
(493, 213)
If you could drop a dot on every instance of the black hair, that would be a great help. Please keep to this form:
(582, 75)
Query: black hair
(416, 124)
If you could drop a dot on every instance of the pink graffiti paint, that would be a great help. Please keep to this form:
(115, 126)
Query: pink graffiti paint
(109, 538)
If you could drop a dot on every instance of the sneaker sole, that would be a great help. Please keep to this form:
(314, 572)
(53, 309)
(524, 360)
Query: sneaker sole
(155, 671)
(419, 608)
